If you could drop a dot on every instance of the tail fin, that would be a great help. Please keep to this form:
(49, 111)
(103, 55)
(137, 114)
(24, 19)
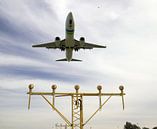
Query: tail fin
(67, 60)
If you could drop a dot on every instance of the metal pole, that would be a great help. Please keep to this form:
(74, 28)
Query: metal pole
(97, 111)
(81, 112)
(72, 108)
(64, 118)
(31, 86)
(54, 87)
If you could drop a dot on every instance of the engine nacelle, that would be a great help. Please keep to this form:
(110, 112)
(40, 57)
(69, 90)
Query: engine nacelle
(82, 41)
(57, 41)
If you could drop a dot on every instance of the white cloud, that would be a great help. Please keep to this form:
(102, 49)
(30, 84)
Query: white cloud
(128, 28)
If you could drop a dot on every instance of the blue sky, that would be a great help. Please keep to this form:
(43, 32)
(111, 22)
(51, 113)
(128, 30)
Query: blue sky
(127, 27)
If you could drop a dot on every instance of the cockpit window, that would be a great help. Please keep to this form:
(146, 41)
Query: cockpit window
(70, 21)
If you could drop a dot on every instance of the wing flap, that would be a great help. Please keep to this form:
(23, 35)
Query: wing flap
(51, 44)
(90, 45)
(47, 45)
(87, 45)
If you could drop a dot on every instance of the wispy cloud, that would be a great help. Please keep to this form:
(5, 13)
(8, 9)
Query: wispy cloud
(26, 72)
(126, 27)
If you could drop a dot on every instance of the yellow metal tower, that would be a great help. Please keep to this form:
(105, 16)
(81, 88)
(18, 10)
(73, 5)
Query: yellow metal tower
(77, 121)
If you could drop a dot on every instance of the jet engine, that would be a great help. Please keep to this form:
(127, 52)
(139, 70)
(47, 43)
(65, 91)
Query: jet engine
(57, 41)
(82, 41)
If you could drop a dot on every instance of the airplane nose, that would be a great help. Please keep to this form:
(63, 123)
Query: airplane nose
(70, 14)
(70, 22)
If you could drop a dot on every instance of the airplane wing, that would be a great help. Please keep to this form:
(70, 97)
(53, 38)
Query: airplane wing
(87, 45)
(51, 45)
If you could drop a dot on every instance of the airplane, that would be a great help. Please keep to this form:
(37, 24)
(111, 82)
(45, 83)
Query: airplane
(69, 44)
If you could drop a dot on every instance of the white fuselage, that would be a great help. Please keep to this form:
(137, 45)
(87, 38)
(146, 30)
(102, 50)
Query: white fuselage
(69, 39)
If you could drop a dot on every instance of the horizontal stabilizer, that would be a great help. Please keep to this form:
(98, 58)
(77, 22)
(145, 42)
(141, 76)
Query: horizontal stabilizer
(67, 60)
(62, 59)
(75, 60)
